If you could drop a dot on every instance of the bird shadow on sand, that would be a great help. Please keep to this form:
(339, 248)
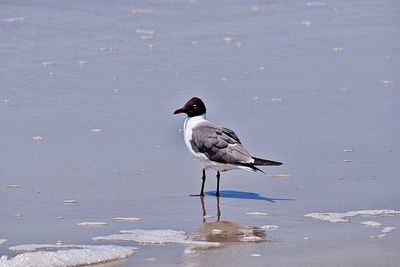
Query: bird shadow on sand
(244, 195)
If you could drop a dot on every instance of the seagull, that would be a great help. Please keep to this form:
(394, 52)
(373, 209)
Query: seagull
(216, 147)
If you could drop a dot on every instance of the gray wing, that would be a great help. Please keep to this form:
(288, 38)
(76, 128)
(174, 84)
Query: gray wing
(219, 144)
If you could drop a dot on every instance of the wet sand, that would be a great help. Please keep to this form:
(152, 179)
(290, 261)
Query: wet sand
(88, 137)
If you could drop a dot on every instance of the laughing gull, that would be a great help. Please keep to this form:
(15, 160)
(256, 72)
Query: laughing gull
(217, 148)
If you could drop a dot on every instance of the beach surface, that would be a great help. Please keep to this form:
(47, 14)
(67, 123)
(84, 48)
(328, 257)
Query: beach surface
(93, 167)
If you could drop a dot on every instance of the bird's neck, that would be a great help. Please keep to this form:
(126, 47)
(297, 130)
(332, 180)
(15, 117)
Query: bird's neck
(190, 122)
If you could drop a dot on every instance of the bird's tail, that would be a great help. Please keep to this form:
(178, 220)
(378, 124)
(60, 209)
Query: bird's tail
(260, 162)
(265, 162)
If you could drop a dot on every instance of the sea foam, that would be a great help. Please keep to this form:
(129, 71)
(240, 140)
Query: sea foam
(75, 255)
(337, 217)
(165, 236)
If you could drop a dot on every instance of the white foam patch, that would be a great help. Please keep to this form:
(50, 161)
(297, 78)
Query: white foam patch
(48, 63)
(166, 236)
(2, 240)
(73, 256)
(92, 224)
(145, 32)
(388, 229)
(377, 236)
(307, 23)
(336, 217)
(96, 130)
(82, 62)
(347, 150)
(269, 227)
(228, 40)
(34, 247)
(37, 138)
(316, 4)
(69, 201)
(338, 49)
(109, 49)
(371, 224)
(275, 99)
(14, 19)
(251, 238)
(257, 213)
(387, 82)
(127, 219)
(5, 102)
(13, 186)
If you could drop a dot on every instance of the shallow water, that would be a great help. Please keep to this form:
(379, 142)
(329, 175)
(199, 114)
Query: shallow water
(86, 106)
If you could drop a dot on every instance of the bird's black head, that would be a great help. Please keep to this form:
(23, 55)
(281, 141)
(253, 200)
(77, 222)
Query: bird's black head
(194, 107)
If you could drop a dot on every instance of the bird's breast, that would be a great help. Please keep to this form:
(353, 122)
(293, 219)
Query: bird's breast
(188, 126)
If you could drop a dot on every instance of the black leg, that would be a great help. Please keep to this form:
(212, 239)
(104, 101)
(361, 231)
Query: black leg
(203, 181)
(218, 176)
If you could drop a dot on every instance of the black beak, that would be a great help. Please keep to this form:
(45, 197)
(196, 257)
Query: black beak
(179, 110)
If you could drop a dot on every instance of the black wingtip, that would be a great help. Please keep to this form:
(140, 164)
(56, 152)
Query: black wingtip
(265, 162)
(258, 169)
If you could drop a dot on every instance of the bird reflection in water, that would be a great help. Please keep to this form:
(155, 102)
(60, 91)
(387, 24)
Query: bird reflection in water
(225, 231)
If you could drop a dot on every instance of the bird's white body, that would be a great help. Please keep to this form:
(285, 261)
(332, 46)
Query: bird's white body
(188, 126)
